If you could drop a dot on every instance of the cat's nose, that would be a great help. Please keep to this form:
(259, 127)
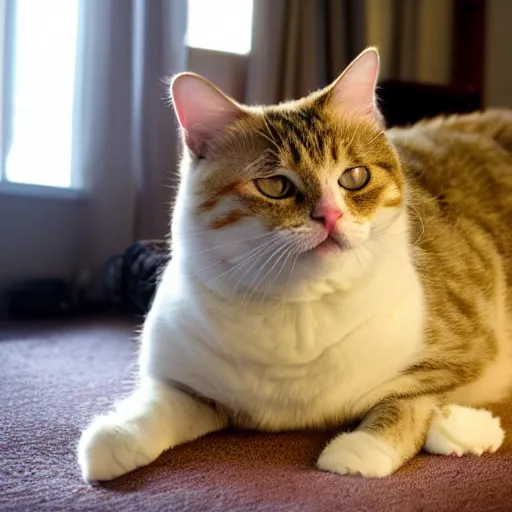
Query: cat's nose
(328, 216)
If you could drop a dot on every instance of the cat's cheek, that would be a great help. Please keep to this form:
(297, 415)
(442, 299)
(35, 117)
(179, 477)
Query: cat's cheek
(356, 233)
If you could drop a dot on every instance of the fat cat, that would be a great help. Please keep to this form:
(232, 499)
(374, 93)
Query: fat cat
(326, 272)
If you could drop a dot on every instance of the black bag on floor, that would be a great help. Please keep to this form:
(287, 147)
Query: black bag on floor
(130, 279)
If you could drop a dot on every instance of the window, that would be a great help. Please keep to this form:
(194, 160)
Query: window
(222, 25)
(38, 44)
(37, 73)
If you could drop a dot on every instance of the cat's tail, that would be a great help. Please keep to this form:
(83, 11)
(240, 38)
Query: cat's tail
(495, 123)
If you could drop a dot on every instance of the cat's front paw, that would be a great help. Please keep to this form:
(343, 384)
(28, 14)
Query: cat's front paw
(359, 453)
(110, 448)
(457, 430)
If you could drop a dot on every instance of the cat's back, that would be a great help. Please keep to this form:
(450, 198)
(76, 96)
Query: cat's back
(459, 172)
(469, 153)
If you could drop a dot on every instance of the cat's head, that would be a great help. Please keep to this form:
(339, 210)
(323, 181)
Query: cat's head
(278, 196)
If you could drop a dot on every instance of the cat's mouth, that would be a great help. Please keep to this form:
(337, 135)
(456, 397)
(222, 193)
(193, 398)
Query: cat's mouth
(330, 244)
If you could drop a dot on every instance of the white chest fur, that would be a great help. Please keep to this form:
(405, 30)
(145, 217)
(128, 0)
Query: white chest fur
(293, 365)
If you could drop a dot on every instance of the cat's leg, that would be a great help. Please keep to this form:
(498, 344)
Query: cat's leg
(393, 432)
(154, 418)
(457, 430)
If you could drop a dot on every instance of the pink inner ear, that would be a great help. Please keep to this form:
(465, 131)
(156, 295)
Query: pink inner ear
(354, 91)
(203, 111)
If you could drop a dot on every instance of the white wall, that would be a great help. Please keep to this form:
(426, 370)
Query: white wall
(39, 237)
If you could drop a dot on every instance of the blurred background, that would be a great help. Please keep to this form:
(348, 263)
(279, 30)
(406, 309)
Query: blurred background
(88, 143)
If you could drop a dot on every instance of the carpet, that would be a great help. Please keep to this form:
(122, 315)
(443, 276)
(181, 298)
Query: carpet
(54, 376)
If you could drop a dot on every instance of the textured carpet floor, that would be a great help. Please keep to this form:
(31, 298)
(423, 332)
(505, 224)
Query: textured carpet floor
(55, 376)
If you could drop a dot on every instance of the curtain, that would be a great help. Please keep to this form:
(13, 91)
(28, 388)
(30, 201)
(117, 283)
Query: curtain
(125, 143)
(301, 45)
(413, 36)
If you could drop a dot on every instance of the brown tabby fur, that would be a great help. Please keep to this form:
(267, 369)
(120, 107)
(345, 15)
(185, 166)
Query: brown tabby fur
(459, 172)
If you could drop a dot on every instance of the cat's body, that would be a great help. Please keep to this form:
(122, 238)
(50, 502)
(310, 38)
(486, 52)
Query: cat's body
(308, 375)
(288, 304)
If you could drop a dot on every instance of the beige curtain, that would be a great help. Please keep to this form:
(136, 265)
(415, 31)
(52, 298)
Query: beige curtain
(302, 45)
(125, 143)
(414, 38)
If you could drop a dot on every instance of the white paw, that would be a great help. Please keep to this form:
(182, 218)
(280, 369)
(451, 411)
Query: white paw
(359, 453)
(457, 430)
(110, 448)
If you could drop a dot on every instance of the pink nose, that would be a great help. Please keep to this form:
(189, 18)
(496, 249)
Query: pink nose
(328, 215)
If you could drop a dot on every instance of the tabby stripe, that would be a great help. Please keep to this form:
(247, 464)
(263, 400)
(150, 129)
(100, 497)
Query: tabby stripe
(212, 201)
(229, 219)
(393, 203)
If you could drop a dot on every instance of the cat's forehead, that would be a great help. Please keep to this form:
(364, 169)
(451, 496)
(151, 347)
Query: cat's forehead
(315, 145)
(304, 135)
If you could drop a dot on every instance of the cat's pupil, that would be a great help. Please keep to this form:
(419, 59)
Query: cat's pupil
(278, 184)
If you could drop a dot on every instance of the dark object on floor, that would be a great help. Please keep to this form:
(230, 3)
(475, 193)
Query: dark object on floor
(35, 299)
(40, 298)
(56, 377)
(404, 103)
(130, 280)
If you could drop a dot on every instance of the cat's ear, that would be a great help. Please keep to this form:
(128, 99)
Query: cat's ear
(202, 109)
(353, 92)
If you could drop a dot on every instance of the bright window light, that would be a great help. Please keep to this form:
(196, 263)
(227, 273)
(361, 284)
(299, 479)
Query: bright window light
(222, 25)
(44, 75)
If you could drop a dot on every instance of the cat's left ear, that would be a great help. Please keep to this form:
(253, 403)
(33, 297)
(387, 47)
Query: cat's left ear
(353, 92)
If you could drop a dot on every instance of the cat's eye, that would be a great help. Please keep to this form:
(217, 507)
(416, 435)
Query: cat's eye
(355, 178)
(275, 187)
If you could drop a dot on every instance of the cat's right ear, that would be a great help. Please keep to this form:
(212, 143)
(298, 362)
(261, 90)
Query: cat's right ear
(202, 109)
(353, 92)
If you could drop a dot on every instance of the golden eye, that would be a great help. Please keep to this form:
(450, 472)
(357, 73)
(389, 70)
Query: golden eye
(355, 178)
(275, 187)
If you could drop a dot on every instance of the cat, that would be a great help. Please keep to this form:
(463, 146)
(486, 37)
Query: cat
(326, 272)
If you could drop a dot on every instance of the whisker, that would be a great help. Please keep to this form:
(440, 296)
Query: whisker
(267, 126)
(272, 249)
(252, 259)
(418, 216)
(265, 136)
(250, 285)
(250, 239)
(290, 252)
(366, 144)
(248, 255)
(286, 249)
(256, 252)
(287, 287)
